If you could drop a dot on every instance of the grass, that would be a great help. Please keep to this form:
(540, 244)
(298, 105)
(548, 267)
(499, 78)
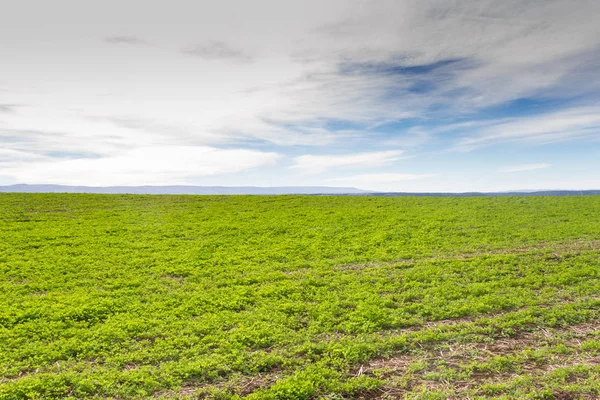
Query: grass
(298, 297)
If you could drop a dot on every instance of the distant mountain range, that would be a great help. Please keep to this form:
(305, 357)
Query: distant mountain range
(181, 189)
(309, 190)
(514, 193)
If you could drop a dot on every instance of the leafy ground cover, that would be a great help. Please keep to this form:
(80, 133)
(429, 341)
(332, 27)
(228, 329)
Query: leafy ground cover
(299, 297)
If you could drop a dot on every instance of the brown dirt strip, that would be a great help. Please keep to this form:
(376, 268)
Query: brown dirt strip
(468, 319)
(461, 389)
(456, 355)
(248, 384)
(504, 346)
(243, 386)
(556, 249)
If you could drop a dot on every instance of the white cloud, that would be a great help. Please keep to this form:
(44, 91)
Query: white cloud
(358, 64)
(217, 51)
(9, 155)
(543, 128)
(525, 167)
(384, 177)
(384, 182)
(317, 164)
(513, 50)
(169, 165)
(126, 39)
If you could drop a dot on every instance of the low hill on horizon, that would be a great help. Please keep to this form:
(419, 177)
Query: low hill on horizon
(275, 190)
(181, 189)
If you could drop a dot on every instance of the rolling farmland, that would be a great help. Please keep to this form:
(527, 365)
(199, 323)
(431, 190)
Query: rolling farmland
(298, 297)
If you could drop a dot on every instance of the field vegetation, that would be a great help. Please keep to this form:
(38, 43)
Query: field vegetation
(299, 297)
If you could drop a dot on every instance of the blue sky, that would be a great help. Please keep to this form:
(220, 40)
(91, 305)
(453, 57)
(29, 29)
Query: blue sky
(381, 95)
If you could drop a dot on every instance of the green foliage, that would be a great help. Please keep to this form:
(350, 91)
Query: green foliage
(187, 296)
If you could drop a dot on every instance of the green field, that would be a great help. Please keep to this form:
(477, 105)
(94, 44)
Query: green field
(299, 297)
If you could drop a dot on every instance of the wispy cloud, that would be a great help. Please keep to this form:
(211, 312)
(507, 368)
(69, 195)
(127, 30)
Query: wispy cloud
(315, 164)
(142, 166)
(386, 177)
(7, 108)
(542, 128)
(411, 137)
(525, 167)
(385, 181)
(217, 50)
(126, 39)
(339, 79)
(8, 157)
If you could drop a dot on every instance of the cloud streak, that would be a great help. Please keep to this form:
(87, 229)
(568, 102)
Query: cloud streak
(141, 166)
(329, 87)
(126, 39)
(544, 128)
(384, 181)
(315, 164)
(525, 167)
(217, 50)
(383, 178)
(8, 108)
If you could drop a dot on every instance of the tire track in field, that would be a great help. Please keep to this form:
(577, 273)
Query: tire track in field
(556, 250)
(534, 348)
(246, 385)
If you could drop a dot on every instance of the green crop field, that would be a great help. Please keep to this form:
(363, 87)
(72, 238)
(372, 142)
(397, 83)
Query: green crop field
(299, 297)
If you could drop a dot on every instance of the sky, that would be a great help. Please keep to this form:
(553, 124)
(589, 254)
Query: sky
(399, 95)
